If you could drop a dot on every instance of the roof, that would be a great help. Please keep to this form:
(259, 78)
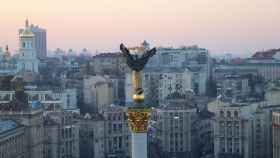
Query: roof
(114, 109)
(164, 70)
(107, 55)
(205, 114)
(176, 95)
(176, 107)
(234, 70)
(35, 105)
(7, 125)
(194, 69)
(269, 54)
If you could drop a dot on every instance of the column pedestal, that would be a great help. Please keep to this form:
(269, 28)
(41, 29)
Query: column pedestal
(139, 145)
(138, 118)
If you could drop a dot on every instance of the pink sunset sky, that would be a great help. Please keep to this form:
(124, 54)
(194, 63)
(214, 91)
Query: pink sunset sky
(222, 26)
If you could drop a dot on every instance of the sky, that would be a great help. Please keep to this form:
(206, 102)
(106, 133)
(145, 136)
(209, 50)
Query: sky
(222, 26)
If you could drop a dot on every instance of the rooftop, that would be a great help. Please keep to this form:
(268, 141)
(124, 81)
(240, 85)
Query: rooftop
(164, 70)
(106, 55)
(268, 54)
(7, 125)
(205, 114)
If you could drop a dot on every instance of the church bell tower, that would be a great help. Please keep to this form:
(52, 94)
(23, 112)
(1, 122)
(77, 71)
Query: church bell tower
(28, 60)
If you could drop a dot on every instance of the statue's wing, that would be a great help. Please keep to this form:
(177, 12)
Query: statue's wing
(124, 50)
(150, 53)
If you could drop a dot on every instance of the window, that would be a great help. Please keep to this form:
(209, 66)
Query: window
(222, 114)
(68, 100)
(114, 127)
(120, 142)
(235, 114)
(228, 114)
(120, 127)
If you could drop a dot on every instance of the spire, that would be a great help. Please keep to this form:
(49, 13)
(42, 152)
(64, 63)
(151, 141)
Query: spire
(26, 23)
(7, 52)
(7, 48)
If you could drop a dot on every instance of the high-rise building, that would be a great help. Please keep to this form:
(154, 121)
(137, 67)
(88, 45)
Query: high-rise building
(276, 134)
(31, 117)
(105, 135)
(174, 124)
(117, 141)
(232, 136)
(12, 133)
(98, 92)
(61, 135)
(241, 130)
(40, 35)
(92, 136)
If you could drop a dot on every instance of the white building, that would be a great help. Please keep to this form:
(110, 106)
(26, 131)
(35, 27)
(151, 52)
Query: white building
(181, 57)
(272, 96)
(232, 134)
(241, 130)
(233, 86)
(40, 37)
(174, 127)
(199, 79)
(62, 99)
(159, 83)
(28, 60)
(68, 98)
(268, 70)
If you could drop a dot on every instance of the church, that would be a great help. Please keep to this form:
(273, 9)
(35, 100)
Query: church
(8, 64)
(27, 60)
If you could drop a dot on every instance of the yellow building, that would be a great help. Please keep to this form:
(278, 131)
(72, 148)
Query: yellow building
(98, 92)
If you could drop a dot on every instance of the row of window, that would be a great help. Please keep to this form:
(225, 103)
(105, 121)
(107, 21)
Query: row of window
(12, 146)
(229, 114)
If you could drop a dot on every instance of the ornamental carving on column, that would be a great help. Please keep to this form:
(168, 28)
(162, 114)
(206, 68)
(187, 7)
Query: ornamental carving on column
(138, 119)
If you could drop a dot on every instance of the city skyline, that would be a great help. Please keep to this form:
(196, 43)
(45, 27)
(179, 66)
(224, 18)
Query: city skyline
(222, 27)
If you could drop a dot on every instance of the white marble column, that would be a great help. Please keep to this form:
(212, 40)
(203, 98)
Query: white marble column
(139, 145)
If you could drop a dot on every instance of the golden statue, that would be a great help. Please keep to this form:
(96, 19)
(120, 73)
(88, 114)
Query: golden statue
(136, 59)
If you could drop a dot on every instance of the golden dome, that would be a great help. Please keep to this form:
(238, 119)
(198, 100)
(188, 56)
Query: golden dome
(26, 33)
(138, 98)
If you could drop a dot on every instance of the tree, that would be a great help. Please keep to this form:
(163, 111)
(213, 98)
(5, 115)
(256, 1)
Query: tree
(211, 90)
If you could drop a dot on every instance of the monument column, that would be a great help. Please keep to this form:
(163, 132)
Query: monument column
(138, 120)
(138, 114)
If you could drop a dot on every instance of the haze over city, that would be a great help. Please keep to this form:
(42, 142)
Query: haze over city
(231, 26)
(140, 79)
